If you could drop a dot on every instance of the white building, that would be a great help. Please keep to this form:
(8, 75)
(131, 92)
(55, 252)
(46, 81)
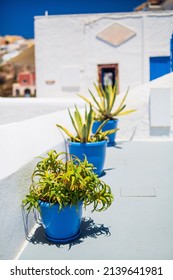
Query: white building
(73, 51)
(69, 52)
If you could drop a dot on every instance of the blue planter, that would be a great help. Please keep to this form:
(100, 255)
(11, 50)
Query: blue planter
(61, 226)
(95, 153)
(111, 124)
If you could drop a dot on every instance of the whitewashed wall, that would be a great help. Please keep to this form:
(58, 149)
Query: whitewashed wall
(137, 125)
(22, 141)
(27, 130)
(68, 52)
(20, 144)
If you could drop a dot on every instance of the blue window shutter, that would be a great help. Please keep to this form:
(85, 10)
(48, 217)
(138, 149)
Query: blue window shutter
(159, 66)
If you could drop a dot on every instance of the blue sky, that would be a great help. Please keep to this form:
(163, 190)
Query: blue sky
(17, 16)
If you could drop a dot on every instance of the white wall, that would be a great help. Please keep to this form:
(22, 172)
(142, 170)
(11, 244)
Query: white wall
(58, 45)
(68, 52)
(22, 141)
(12, 190)
(137, 125)
(19, 109)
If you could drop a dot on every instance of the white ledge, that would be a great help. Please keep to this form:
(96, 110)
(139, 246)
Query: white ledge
(22, 141)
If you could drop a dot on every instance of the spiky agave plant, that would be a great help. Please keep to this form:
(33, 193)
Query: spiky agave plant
(83, 127)
(104, 102)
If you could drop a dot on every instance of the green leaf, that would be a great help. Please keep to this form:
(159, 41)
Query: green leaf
(113, 94)
(78, 118)
(100, 127)
(126, 112)
(107, 101)
(121, 105)
(101, 93)
(90, 120)
(117, 112)
(85, 99)
(84, 134)
(68, 133)
(75, 124)
(99, 106)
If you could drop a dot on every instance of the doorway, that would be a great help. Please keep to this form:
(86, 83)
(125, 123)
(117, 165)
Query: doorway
(107, 74)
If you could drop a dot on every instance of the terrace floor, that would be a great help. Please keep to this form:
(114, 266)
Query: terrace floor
(139, 223)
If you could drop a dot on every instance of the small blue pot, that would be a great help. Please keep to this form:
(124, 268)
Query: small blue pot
(95, 153)
(111, 124)
(61, 226)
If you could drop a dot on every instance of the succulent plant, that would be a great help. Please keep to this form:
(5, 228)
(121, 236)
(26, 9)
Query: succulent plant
(83, 127)
(58, 179)
(104, 102)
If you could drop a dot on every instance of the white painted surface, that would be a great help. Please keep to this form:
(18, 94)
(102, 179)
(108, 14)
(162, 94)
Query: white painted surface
(160, 107)
(71, 40)
(22, 141)
(29, 138)
(19, 109)
(136, 191)
(20, 144)
(136, 227)
(137, 125)
(12, 190)
(70, 78)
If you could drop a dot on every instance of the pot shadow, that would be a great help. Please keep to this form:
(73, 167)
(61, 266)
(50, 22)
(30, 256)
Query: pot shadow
(105, 171)
(115, 145)
(88, 229)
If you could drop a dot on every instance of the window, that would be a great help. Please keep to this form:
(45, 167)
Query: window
(107, 74)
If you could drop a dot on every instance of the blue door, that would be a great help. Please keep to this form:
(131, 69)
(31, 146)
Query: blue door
(159, 66)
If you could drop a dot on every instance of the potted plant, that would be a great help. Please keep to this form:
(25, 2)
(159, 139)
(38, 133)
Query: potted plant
(83, 142)
(60, 189)
(104, 105)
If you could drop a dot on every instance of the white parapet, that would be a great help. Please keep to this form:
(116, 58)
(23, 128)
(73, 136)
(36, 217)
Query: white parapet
(20, 143)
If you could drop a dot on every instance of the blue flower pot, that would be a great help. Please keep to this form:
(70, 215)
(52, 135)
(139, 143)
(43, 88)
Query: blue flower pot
(61, 226)
(111, 124)
(95, 153)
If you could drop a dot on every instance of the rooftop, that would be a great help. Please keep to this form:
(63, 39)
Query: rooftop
(139, 223)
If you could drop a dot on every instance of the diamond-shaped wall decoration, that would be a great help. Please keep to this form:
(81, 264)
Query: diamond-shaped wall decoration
(116, 34)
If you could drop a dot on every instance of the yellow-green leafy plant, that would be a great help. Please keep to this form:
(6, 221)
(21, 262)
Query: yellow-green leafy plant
(104, 102)
(83, 127)
(57, 179)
